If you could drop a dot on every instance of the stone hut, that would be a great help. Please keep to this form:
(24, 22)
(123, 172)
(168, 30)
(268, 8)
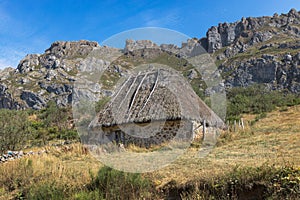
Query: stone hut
(151, 108)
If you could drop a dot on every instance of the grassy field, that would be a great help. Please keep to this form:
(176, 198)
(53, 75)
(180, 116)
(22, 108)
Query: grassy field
(271, 143)
(274, 140)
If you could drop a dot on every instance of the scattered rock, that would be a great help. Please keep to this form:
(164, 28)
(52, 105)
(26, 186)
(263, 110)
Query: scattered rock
(33, 100)
(259, 37)
(6, 73)
(288, 57)
(192, 74)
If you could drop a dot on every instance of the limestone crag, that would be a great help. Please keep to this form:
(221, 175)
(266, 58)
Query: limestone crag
(132, 45)
(250, 31)
(189, 48)
(6, 100)
(40, 78)
(262, 50)
(268, 69)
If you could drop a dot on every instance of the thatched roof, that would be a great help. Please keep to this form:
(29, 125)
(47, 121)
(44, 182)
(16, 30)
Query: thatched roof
(157, 94)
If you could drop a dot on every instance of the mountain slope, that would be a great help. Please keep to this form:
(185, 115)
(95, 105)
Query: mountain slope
(263, 50)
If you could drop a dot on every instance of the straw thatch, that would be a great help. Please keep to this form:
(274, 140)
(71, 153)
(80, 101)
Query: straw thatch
(154, 95)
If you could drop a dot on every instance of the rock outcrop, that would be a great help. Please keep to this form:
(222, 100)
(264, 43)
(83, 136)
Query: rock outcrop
(40, 78)
(262, 50)
(251, 31)
(6, 99)
(268, 69)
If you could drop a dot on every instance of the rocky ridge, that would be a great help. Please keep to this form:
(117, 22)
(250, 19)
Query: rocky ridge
(262, 50)
(249, 31)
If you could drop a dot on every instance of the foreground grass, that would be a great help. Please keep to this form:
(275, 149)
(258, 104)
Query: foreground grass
(69, 168)
(261, 160)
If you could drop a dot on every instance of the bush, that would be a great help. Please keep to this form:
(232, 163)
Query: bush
(68, 134)
(53, 123)
(52, 115)
(46, 191)
(113, 184)
(257, 99)
(20, 127)
(14, 129)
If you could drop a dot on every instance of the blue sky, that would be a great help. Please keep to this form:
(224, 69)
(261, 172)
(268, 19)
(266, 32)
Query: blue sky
(31, 26)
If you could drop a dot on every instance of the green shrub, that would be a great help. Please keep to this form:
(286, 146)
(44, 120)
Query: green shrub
(113, 184)
(53, 115)
(53, 123)
(14, 129)
(67, 134)
(46, 191)
(257, 99)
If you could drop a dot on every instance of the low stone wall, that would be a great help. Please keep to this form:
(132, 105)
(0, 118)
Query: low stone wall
(13, 155)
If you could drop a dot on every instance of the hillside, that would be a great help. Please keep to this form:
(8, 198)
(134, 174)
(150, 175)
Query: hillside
(261, 50)
(260, 160)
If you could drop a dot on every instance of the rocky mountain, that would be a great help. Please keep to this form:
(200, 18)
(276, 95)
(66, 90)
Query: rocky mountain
(263, 50)
(40, 78)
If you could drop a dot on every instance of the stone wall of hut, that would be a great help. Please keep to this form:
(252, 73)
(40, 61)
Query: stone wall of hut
(148, 134)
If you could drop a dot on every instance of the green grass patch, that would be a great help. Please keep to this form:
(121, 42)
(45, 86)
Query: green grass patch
(257, 99)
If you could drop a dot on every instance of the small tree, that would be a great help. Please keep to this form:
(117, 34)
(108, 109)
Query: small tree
(55, 118)
(14, 129)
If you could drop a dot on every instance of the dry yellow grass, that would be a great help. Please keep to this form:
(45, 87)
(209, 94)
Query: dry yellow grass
(272, 140)
(69, 166)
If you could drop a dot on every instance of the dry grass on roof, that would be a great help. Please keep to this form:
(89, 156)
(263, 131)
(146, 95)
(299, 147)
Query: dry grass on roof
(155, 95)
